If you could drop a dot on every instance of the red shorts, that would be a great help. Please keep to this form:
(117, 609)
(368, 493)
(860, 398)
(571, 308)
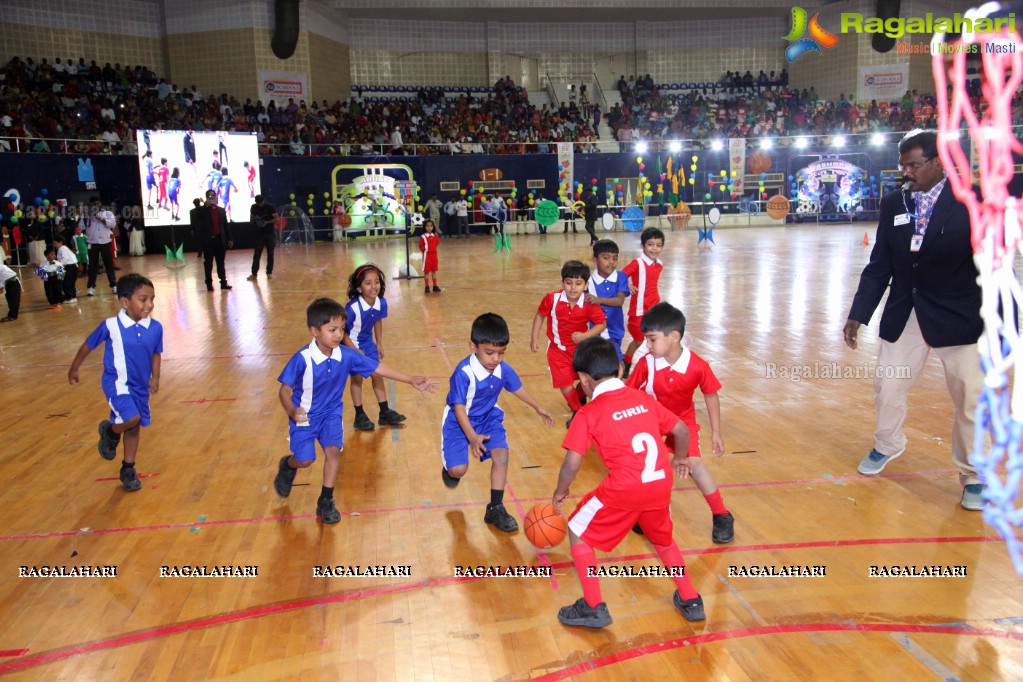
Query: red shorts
(604, 527)
(635, 329)
(694, 441)
(560, 362)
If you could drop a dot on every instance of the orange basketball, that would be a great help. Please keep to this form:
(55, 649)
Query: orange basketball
(544, 526)
(758, 162)
(777, 207)
(345, 220)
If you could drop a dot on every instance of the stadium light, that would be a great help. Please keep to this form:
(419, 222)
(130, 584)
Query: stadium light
(877, 139)
(766, 143)
(838, 141)
(641, 147)
(717, 145)
(801, 143)
(675, 146)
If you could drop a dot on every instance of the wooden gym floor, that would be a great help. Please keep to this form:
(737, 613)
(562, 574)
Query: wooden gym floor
(763, 302)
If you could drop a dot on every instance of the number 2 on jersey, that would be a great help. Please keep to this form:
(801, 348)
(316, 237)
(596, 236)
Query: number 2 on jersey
(645, 444)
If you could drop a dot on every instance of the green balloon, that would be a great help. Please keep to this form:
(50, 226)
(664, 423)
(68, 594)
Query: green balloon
(706, 196)
(547, 212)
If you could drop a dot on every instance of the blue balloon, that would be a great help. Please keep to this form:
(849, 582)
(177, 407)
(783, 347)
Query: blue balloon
(38, 201)
(790, 177)
(872, 178)
(44, 191)
(763, 175)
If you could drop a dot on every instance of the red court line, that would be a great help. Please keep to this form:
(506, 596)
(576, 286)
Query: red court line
(708, 637)
(117, 478)
(540, 554)
(5, 653)
(387, 510)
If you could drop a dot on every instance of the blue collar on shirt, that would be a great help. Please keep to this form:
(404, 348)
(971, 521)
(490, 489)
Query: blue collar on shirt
(126, 321)
(317, 356)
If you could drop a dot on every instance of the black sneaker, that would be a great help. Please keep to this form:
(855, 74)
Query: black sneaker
(285, 477)
(692, 609)
(362, 423)
(499, 517)
(449, 480)
(327, 511)
(390, 418)
(107, 446)
(130, 480)
(437, 289)
(426, 290)
(582, 614)
(638, 529)
(724, 531)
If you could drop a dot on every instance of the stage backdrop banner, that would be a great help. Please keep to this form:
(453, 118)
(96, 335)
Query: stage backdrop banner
(566, 166)
(282, 85)
(736, 164)
(884, 82)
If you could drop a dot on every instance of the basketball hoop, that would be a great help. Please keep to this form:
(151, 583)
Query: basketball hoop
(996, 238)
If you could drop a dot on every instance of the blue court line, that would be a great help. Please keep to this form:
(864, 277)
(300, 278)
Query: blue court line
(1015, 620)
(925, 657)
(742, 599)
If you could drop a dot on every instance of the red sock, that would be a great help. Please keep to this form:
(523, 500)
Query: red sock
(584, 558)
(717, 505)
(573, 400)
(671, 556)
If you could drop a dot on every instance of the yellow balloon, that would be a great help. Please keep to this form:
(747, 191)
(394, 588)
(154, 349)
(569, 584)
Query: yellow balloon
(693, 167)
(733, 173)
(639, 159)
(694, 159)
(326, 195)
(462, 191)
(692, 181)
(724, 174)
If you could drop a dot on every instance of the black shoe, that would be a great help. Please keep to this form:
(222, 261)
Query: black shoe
(436, 289)
(327, 511)
(724, 530)
(449, 480)
(209, 286)
(426, 290)
(285, 477)
(362, 423)
(499, 517)
(390, 418)
(107, 446)
(130, 480)
(692, 609)
(638, 530)
(582, 614)
(225, 286)
(625, 372)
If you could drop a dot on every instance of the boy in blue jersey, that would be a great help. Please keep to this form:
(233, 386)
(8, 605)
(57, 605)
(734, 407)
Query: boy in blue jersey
(312, 388)
(473, 423)
(608, 288)
(131, 371)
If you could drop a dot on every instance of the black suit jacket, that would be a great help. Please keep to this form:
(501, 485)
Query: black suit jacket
(202, 225)
(939, 281)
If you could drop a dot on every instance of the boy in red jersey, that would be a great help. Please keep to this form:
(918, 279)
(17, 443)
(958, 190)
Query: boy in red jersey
(671, 373)
(569, 316)
(627, 426)
(643, 274)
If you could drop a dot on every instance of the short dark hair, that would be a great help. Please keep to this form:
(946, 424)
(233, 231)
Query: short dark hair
(490, 328)
(597, 357)
(650, 233)
(575, 269)
(323, 310)
(57, 239)
(665, 318)
(95, 200)
(924, 140)
(604, 246)
(355, 281)
(128, 284)
(258, 198)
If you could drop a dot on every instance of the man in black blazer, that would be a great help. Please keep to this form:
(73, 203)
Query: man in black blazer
(210, 226)
(923, 257)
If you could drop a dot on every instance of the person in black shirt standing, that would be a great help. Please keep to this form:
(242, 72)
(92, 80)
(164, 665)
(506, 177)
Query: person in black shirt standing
(264, 219)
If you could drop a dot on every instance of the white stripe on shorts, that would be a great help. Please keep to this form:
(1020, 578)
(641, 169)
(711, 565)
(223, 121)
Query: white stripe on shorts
(581, 520)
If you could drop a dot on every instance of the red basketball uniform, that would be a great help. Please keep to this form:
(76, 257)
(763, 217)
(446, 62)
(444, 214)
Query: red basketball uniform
(563, 320)
(428, 243)
(643, 274)
(627, 427)
(674, 386)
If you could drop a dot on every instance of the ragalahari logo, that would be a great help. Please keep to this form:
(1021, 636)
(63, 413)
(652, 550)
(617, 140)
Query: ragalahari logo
(818, 36)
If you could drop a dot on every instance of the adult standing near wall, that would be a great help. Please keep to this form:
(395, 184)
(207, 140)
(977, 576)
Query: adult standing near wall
(590, 203)
(462, 211)
(210, 226)
(264, 221)
(98, 224)
(433, 208)
(923, 253)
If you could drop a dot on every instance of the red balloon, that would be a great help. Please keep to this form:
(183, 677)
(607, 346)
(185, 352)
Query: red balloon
(710, 183)
(16, 235)
(594, 181)
(470, 183)
(619, 188)
(734, 195)
(642, 166)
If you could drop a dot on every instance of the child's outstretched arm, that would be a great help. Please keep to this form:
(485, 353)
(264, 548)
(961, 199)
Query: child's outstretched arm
(523, 395)
(680, 463)
(72, 373)
(295, 414)
(615, 302)
(569, 468)
(534, 336)
(476, 440)
(422, 384)
(714, 413)
(154, 377)
(378, 333)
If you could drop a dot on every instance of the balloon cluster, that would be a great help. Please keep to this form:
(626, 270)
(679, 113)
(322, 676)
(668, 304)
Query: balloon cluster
(726, 185)
(644, 184)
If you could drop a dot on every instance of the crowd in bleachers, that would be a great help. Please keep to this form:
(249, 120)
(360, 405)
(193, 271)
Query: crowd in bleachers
(759, 106)
(82, 108)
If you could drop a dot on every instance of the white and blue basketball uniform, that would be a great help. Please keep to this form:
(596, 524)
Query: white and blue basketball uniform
(318, 386)
(360, 318)
(616, 283)
(127, 364)
(150, 176)
(224, 191)
(173, 189)
(476, 388)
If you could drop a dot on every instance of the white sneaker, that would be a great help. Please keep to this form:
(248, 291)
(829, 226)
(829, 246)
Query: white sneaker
(91, 291)
(113, 289)
(71, 300)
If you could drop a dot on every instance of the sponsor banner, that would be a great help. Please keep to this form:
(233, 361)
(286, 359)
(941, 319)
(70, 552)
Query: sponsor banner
(887, 82)
(281, 86)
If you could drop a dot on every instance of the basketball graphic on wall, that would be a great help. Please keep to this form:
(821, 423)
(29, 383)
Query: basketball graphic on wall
(758, 162)
(777, 207)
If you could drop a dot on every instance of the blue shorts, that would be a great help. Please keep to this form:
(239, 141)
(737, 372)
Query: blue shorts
(124, 408)
(369, 349)
(150, 182)
(616, 339)
(454, 446)
(328, 429)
